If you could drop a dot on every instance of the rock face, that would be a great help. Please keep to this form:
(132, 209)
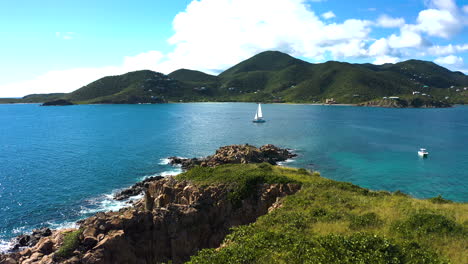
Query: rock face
(30, 240)
(173, 221)
(136, 189)
(60, 102)
(237, 154)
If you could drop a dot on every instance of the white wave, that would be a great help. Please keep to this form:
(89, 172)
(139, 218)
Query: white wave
(5, 245)
(172, 172)
(64, 225)
(165, 161)
(107, 203)
(282, 163)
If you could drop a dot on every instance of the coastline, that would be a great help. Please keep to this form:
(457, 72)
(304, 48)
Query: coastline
(170, 194)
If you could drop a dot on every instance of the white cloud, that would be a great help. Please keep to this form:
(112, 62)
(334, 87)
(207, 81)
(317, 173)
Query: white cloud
(72, 79)
(328, 15)
(465, 9)
(448, 49)
(386, 59)
(450, 60)
(379, 47)
(390, 22)
(212, 35)
(442, 4)
(408, 38)
(439, 23)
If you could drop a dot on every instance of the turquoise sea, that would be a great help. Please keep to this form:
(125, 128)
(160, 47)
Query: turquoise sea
(61, 164)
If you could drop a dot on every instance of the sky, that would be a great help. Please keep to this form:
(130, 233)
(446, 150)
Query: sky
(53, 46)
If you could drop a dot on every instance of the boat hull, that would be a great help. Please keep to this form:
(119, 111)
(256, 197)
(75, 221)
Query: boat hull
(259, 121)
(423, 154)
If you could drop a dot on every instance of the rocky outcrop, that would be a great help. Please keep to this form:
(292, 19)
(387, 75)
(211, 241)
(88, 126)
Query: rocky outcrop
(136, 189)
(60, 102)
(173, 221)
(30, 240)
(237, 154)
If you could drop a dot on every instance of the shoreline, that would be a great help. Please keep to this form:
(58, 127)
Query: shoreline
(94, 237)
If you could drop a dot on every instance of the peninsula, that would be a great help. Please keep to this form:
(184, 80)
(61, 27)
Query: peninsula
(278, 215)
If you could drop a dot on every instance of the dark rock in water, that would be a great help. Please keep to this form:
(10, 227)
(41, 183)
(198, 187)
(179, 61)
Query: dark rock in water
(235, 154)
(30, 240)
(136, 189)
(60, 102)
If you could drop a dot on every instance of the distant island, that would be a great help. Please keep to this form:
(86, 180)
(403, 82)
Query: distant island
(275, 77)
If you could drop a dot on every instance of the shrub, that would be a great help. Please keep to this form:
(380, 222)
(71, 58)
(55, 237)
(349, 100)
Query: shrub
(427, 223)
(303, 171)
(271, 247)
(365, 220)
(70, 243)
(400, 193)
(439, 200)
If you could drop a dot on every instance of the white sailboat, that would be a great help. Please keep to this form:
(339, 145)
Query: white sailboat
(259, 115)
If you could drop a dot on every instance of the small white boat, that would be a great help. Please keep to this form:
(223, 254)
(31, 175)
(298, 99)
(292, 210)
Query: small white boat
(259, 115)
(423, 153)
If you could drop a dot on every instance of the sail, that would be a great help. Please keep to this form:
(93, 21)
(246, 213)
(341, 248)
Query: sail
(259, 111)
(256, 116)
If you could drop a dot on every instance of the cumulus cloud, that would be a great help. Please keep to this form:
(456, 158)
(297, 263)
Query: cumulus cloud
(328, 15)
(386, 59)
(390, 22)
(72, 79)
(438, 50)
(451, 60)
(212, 35)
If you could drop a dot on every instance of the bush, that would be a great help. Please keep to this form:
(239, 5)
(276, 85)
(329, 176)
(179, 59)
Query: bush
(271, 247)
(240, 179)
(426, 224)
(70, 243)
(365, 220)
(303, 171)
(439, 200)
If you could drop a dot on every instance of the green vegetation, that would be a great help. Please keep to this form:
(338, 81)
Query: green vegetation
(336, 222)
(440, 200)
(70, 243)
(241, 179)
(273, 76)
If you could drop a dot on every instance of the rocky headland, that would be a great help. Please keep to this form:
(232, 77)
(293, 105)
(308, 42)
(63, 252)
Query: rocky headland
(237, 154)
(174, 220)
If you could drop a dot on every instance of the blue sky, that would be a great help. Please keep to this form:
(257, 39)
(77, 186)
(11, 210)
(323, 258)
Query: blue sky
(59, 46)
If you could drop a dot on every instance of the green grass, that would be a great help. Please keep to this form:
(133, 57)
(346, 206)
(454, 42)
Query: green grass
(242, 180)
(337, 222)
(70, 243)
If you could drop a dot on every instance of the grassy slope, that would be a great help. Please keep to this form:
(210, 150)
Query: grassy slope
(337, 222)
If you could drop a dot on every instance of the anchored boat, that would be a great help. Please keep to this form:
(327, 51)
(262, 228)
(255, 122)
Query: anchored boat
(423, 153)
(259, 115)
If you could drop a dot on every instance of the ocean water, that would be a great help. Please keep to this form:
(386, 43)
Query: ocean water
(61, 164)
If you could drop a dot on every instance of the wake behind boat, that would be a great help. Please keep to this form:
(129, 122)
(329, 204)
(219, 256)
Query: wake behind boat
(259, 115)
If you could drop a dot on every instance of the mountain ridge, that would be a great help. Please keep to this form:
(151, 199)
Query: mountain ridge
(273, 76)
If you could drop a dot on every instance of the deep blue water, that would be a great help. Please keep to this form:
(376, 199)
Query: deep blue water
(60, 164)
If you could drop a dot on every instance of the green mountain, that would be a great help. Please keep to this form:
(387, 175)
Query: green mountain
(273, 76)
